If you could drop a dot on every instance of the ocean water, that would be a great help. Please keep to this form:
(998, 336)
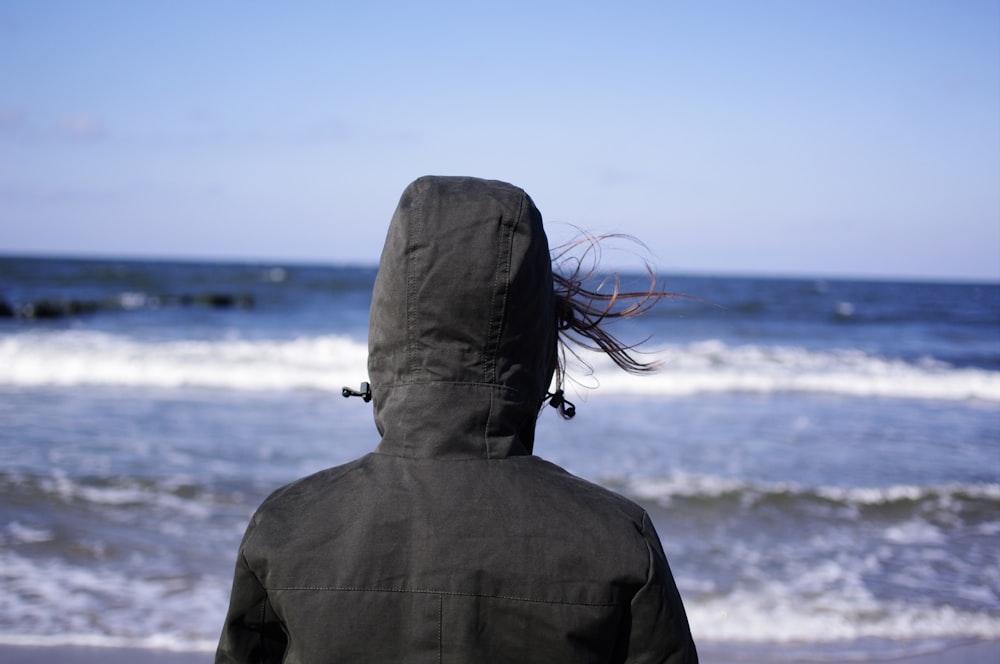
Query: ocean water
(821, 458)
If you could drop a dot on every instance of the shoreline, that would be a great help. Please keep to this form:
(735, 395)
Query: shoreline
(98, 655)
(970, 652)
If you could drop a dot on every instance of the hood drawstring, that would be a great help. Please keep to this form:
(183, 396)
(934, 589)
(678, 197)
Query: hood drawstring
(557, 400)
(365, 393)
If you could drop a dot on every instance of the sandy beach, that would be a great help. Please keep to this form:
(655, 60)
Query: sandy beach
(983, 652)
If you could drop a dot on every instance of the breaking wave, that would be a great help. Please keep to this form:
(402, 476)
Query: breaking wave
(72, 358)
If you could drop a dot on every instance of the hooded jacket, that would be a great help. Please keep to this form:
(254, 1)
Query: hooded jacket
(452, 542)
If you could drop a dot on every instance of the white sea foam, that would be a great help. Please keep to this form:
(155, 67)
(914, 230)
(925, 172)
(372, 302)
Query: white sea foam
(772, 613)
(126, 492)
(25, 534)
(51, 603)
(93, 358)
(713, 366)
(170, 642)
(678, 485)
(71, 358)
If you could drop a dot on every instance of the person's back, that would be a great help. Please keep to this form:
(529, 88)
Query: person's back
(452, 542)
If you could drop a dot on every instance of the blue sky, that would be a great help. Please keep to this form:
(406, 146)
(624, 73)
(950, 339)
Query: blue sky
(807, 137)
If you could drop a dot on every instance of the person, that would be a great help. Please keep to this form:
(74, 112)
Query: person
(452, 542)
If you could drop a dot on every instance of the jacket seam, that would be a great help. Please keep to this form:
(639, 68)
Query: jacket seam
(460, 459)
(410, 305)
(649, 551)
(486, 428)
(263, 621)
(472, 383)
(412, 231)
(449, 593)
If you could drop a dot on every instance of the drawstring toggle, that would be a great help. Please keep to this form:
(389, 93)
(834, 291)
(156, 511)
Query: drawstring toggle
(365, 393)
(556, 399)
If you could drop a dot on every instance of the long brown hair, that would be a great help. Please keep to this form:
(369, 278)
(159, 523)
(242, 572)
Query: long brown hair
(583, 312)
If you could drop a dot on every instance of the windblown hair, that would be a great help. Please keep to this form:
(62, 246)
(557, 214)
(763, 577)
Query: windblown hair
(583, 311)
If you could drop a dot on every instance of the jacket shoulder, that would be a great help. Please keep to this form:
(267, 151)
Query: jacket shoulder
(293, 496)
(562, 486)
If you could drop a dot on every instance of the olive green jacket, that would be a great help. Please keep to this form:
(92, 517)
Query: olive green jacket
(451, 542)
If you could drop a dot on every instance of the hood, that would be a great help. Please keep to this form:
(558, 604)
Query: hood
(461, 338)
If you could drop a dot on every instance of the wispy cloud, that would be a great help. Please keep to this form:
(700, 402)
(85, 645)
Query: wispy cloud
(80, 126)
(10, 118)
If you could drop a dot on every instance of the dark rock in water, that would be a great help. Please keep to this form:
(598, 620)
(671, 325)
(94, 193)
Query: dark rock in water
(45, 309)
(49, 309)
(218, 300)
(226, 301)
(54, 309)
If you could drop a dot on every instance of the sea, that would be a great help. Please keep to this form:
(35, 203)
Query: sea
(821, 457)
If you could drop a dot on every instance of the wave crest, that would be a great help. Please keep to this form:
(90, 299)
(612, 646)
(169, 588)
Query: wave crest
(72, 358)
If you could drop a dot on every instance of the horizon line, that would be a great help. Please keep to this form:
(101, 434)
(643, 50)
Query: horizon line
(661, 270)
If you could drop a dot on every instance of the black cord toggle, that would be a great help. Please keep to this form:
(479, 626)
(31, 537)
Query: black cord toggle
(557, 399)
(365, 393)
